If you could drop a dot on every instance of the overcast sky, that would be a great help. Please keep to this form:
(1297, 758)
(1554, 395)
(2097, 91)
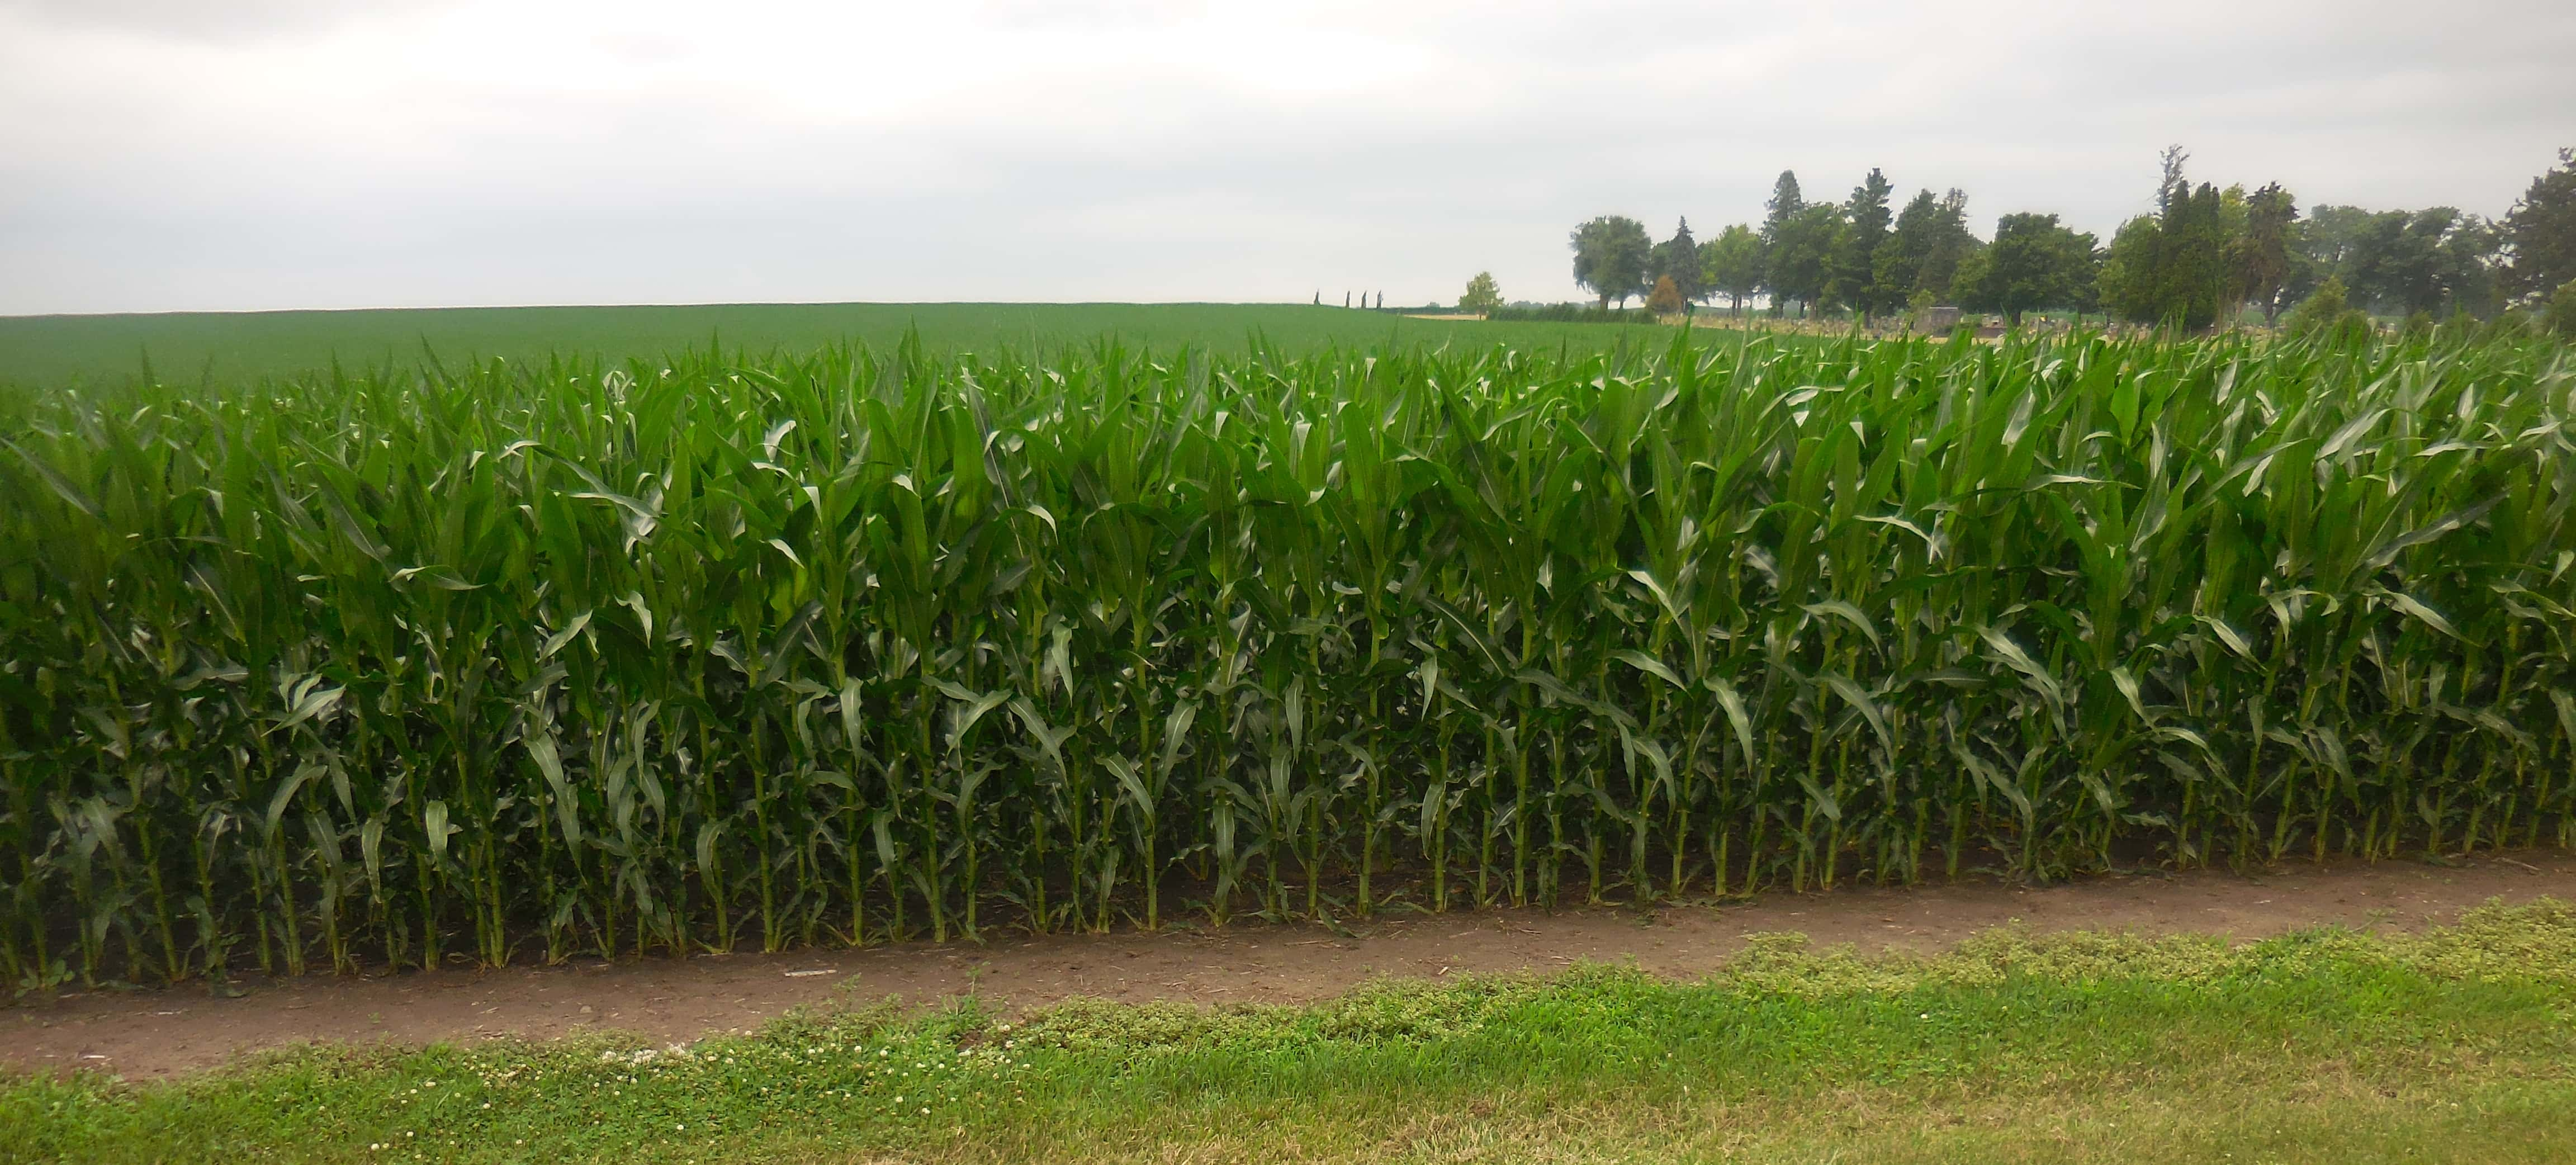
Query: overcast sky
(231, 154)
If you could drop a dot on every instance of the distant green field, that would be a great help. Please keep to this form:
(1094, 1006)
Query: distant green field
(229, 346)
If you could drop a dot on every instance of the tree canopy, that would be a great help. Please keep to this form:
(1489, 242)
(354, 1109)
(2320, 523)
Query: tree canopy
(2034, 262)
(1797, 262)
(1922, 253)
(1784, 204)
(1731, 265)
(1482, 295)
(1677, 259)
(2404, 262)
(2258, 259)
(1852, 277)
(2541, 229)
(2169, 267)
(2201, 257)
(1610, 256)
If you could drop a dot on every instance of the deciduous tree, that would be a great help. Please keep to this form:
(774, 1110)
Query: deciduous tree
(2259, 257)
(2541, 229)
(1797, 263)
(1666, 299)
(2403, 262)
(2034, 262)
(1482, 295)
(2128, 281)
(1731, 264)
(1610, 254)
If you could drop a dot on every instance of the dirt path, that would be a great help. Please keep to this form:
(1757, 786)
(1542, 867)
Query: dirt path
(143, 1034)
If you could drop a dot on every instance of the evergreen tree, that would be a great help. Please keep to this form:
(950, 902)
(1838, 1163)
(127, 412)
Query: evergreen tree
(1896, 270)
(2172, 185)
(2170, 267)
(1922, 254)
(1952, 244)
(1677, 259)
(2194, 276)
(1785, 204)
(1852, 268)
(1783, 208)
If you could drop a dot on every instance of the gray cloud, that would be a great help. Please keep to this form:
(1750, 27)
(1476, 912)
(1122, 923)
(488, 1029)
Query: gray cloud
(1158, 149)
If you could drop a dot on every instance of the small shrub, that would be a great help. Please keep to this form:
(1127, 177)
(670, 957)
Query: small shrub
(1665, 299)
(2327, 315)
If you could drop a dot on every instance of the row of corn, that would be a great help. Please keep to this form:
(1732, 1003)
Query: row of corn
(516, 662)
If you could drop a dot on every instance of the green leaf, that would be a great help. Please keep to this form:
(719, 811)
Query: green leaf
(1649, 665)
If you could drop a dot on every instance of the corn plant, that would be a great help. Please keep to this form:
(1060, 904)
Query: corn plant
(523, 661)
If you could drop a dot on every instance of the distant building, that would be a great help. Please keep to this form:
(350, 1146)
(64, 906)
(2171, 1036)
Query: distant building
(1938, 319)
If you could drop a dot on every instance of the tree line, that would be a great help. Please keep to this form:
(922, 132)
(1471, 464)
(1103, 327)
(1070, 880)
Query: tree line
(2202, 256)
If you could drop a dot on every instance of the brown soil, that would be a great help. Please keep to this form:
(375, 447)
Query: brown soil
(151, 1033)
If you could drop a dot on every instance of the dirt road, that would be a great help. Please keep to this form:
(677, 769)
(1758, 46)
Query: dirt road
(150, 1033)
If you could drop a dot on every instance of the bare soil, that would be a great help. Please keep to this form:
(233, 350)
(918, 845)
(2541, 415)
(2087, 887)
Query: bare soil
(142, 1034)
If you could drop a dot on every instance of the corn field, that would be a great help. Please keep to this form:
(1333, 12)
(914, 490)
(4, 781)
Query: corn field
(523, 662)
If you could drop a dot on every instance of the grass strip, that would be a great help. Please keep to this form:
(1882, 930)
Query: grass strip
(2458, 1044)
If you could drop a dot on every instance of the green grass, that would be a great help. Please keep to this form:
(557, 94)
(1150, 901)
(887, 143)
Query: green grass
(227, 347)
(2459, 1045)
